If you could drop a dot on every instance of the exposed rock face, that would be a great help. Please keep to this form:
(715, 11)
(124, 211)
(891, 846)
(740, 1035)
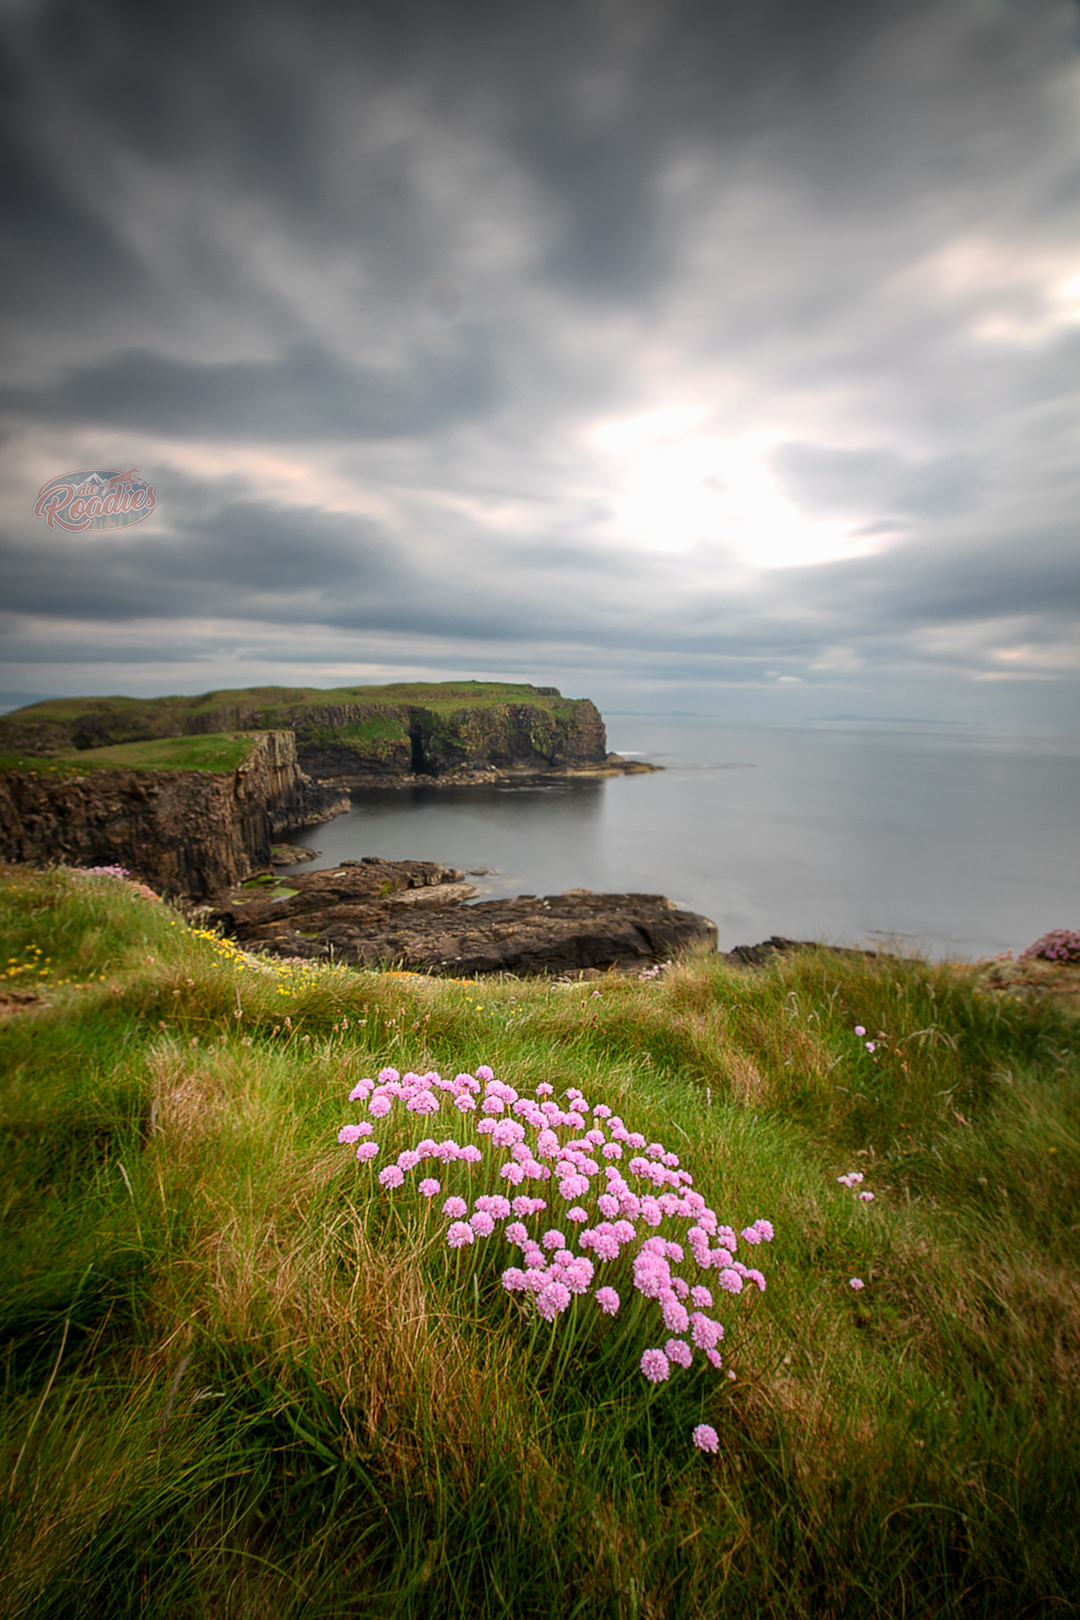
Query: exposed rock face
(182, 832)
(410, 913)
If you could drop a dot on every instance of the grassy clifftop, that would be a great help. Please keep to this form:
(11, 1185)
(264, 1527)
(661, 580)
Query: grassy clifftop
(98, 722)
(244, 1375)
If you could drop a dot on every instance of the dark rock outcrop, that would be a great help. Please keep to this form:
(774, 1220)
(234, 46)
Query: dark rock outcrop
(411, 914)
(182, 832)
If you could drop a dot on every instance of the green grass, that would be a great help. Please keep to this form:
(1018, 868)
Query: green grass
(213, 752)
(239, 1383)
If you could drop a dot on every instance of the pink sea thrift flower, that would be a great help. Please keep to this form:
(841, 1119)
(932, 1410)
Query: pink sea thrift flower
(715, 1358)
(706, 1438)
(484, 1073)
(608, 1300)
(367, 1150)
(553, 1239)
(702, 1298)
(856, 1283)
(392, 1176)
(552, 1298)
(859, 1030)
(459, 1234)
(351, 1133)
(678, 1351)
(455, 1208)
(577, 1214)
(428, 1187)
(866, 1197)
(655, 1366)
(482, 1223)
(513, 1280)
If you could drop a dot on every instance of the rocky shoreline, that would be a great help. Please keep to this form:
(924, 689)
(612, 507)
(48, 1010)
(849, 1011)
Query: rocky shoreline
(414, 915)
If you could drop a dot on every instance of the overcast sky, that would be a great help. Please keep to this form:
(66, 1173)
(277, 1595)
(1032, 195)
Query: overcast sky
(719, 357)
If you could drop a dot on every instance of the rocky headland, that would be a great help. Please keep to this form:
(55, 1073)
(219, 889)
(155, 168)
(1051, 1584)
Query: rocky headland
(100, 781)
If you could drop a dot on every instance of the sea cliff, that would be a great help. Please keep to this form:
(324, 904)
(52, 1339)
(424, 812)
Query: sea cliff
(185, 832)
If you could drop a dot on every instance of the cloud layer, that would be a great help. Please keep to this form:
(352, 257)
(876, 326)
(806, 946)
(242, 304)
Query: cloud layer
(701, 357)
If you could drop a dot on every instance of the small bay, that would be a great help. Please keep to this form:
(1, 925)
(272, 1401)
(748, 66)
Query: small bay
(953, 840)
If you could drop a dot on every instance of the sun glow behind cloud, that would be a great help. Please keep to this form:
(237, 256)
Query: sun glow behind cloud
(675, 484)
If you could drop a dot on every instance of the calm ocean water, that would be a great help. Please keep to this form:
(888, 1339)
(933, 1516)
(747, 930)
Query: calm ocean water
(951, 840)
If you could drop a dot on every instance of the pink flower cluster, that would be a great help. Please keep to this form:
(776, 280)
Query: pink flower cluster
(1059, 945)
(851, 1181)
(625, 1209)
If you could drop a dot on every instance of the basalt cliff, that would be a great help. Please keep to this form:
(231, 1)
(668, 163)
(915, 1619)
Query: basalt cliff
(184, 832)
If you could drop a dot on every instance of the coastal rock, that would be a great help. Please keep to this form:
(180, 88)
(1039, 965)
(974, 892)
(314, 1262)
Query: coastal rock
(182, 832)
(410, 914)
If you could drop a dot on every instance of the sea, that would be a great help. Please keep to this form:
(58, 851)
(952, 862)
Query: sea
(950, 841)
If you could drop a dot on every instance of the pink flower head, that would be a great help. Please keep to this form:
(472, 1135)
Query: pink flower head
(676, 1317)
(552, 1298)
(553, 1239)
(704, 1331)
(866, 1197)
(678, 1351)
(484, 1073)
(380, 1105)
(513, 1280)
(706, 1438)
(578, 1275)
(765, 1228)
(464, 1102)
(750, 1234)
(856, 1283)
(459, 1234)
(730, 1281)
(577, 1214)
(512, 1172)
(702, 1298)
(351, 1133)
(428, 1187)
(714, 1358)
(455, 1208)
(482, 1223)
(408, 1159)
(392, 1176)
(859, 1030)
(871, 1046)
(388, 1075)
(367, 1150)
(611, 1150)
(516, 1233)
(361, 1091)
(544, 1090)
(470, 1153)
(608, 1300)
(655, 1366)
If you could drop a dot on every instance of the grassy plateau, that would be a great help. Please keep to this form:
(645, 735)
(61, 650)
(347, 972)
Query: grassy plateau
(244, 1379)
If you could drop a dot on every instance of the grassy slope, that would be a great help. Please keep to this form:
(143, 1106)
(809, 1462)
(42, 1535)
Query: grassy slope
(221, 752)
(237, 1386)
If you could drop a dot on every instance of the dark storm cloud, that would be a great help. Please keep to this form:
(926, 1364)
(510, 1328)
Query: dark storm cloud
(305, 394)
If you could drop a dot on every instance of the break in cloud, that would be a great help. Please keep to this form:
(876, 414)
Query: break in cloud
(685, 355)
